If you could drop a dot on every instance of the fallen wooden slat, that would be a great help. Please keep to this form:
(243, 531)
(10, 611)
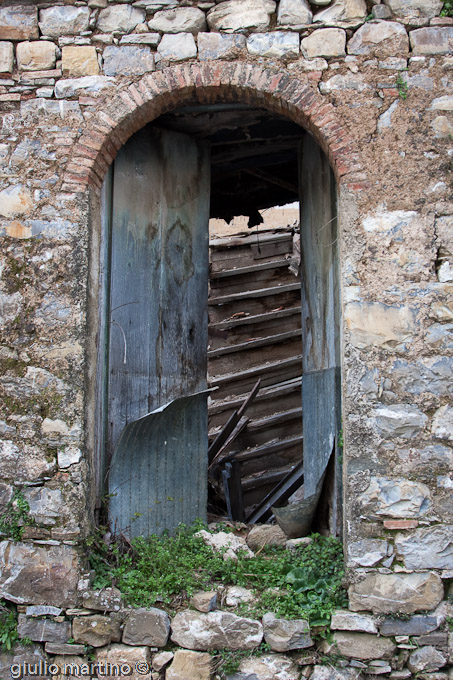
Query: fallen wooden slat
(257, 370)
(273, 264)
(266, 393)
(233, 492)
(241, 425)
(252, 344)
(260, 292)
(266, 450)
(255, 319)
(230, 425)
(276, 419)
(283, 490)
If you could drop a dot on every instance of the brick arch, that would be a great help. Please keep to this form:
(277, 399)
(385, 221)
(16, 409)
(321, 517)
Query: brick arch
(139, 103)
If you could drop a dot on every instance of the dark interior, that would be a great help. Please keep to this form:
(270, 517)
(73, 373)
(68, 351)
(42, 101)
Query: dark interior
(253, 156)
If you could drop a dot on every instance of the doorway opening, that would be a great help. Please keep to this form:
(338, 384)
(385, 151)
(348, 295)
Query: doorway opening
(161, 379)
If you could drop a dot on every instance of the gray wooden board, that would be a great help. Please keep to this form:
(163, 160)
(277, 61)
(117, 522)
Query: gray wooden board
(320, 327)
(158, 476)
(159, 288)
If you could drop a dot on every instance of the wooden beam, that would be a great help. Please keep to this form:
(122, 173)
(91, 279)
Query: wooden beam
(267, 177)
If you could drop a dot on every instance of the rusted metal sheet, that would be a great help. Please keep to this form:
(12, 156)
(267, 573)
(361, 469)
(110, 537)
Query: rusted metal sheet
(158, 304)
(158, 475)
(320, 325)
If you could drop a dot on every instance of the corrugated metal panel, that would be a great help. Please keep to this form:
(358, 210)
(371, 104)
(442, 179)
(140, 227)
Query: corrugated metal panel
(158, 476)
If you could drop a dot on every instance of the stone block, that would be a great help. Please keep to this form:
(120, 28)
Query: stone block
(78, 61)
(46, 505)
(37, 574)
(261, 535)
(278, 45)
(134, 657)
(63, 20)
(15, 200)
(61, 648)
(43, 630)
(440, 336)
(432, 40)
(29, 463)
(349, 81)
(6, 57)
(427, 375)
(216, 630)
(188, 665)
(204, 601)
(151, 39)
(444, 103)
(427, 548)
(374, 324)
(393, 593)
(345, 620)
(395, 498)
(342, 10)
(38, 55)
(149, 627)
(177, 47)
(221, 541)
(399, 420)
(161, 660)
(236, 15)
(363, 646)
(123, 18)
(443, 423)
(43, 610)
(325, 42)
(416, 625)
(367, 552)
(269, 667)
(220, 46)
(415, 8)
(426, 660)
(180, 20)
(128, 60)
(236, 595)
(283, 635)
(70, 455)
(19, 22)
(294, 13)
(74, 87)
(379, 38)
(96, 630)
(107, 600)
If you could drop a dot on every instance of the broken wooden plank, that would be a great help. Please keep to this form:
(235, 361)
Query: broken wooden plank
(241, 425)
(260, 292)
(265, 450)
(257, 318)
(252, 344)
(283, 490)
(231, 423)
(233, 492)
(239, 271)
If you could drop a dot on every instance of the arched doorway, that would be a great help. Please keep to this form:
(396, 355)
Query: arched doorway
(156, 210)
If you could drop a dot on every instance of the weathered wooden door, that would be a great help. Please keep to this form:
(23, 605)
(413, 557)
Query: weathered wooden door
(320, 322)
(158, 333)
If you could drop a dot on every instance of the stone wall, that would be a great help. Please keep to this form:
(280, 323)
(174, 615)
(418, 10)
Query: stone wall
(371, 81)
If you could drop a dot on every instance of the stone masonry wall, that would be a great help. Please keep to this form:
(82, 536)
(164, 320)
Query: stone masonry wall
(372, 82)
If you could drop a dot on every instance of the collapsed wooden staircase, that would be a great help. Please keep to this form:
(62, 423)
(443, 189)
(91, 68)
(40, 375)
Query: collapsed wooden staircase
(254, 334)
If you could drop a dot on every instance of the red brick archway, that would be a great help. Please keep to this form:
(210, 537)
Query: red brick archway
(137, 104)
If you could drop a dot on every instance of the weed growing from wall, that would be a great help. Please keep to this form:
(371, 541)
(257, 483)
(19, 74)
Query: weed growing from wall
(15, 517)
(447, 10)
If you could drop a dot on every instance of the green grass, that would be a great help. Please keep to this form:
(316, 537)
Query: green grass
(167, 570)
